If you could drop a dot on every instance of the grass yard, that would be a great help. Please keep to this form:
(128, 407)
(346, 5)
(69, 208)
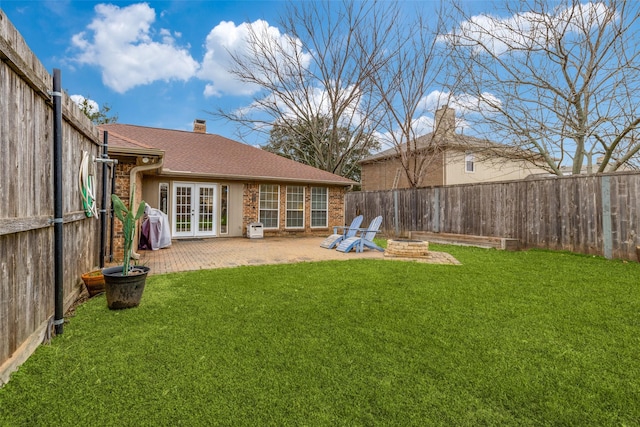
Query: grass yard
(507, 338)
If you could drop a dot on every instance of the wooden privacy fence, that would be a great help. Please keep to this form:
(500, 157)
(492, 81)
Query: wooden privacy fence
(595, 214)
(26, 200)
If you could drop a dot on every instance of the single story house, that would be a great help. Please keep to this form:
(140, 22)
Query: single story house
(211, 187)
(448, 158)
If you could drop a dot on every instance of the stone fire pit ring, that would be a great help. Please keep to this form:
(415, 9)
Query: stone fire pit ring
(407, 248)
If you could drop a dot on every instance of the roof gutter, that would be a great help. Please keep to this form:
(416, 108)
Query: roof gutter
(132, 151)
(186, 174)
(132, 178)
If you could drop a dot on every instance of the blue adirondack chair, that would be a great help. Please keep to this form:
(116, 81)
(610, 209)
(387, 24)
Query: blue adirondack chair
(365, 240)
(331, 241)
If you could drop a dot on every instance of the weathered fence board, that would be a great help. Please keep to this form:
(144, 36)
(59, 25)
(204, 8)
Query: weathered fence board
(553, 213)
(26, 200)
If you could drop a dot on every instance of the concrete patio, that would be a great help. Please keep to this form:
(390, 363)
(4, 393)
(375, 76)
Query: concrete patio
(197, 254)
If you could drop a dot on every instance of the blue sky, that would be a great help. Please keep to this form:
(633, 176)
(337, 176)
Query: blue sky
(162, 81)
(157, 63)
(161, 63)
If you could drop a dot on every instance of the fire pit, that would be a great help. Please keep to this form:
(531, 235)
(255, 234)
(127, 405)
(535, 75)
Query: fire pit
(405, 248)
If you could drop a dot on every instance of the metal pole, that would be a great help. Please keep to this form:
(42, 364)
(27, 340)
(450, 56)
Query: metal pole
(57, 204)
(103, 211)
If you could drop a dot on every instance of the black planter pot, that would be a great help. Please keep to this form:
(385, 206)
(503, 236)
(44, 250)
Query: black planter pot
(124, 291)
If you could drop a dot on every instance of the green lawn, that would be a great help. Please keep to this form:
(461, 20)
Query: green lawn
(524, 338)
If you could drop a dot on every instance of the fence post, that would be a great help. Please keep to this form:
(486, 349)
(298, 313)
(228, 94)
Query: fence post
(607, 238)
(436, 210)
(396, 212)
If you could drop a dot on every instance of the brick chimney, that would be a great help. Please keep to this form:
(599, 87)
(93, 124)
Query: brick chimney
(200, 126)
(445, 122)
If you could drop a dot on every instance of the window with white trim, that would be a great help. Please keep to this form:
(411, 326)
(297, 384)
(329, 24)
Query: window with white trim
(319, 207)
(295, 206)
(269, 205)
(469, 164)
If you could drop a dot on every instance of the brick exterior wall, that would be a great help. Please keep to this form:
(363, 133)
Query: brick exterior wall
(250, 205)
(336, 207)
(123, 170)
(251, 210)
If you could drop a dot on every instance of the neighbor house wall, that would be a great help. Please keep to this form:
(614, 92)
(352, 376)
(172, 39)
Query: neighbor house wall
(381, 174)
(446, 168)
(486, 169)
(26, 201)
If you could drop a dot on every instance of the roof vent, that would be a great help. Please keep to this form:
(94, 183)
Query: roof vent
(200, 126)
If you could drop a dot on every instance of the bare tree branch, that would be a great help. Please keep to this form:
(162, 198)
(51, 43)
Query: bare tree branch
(320, 66)
(417, 62)
(557, 78)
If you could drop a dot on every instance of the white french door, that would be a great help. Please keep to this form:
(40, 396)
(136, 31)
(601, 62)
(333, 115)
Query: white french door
(193, 209)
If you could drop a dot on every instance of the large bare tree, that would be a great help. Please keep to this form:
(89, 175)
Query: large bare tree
(406, 87)
(558, 78)
(320, 67)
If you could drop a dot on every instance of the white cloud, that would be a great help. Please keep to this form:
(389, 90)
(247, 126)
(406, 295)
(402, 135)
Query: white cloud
(316, 101)
(121, 42)
(307, 103)
(463, 103)
(527, 30)
(92, 106)
(424, 124)
(420, 126)
(586, 16)
(226, 38)
(129, 51)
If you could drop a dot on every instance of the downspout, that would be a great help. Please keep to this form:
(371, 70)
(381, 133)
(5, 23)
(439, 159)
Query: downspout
(132, 177)
(58, 220)
(103, 211)
(113, 191)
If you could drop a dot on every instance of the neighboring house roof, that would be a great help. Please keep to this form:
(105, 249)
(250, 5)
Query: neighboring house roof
(445, 138)
(423, 142)
(455, 142)
(214, 156)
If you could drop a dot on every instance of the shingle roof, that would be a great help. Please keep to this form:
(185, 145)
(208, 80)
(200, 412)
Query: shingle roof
(422, 143)
(215, 156)
(454, 141)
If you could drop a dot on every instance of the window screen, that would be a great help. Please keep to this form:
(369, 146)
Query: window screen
(269, 205)
(319, 206)
(295, 206)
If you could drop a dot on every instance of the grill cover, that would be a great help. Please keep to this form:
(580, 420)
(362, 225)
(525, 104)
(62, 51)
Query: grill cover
(156, 232)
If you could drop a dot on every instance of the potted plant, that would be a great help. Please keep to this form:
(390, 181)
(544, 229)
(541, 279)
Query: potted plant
(124, 284)
(94, 281)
